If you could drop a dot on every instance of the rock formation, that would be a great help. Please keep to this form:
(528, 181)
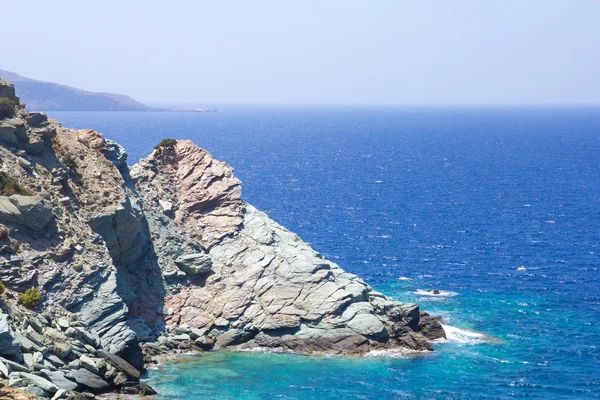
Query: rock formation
(165, 254)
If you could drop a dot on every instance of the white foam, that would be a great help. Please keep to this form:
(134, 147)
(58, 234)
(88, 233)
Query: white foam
(463, 336)
(403, 278)
(394, 353)
(521, 269)
(442, 293)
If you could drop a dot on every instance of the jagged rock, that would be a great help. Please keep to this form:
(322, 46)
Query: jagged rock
(35, 323)
(31, 212)
(120, 364)
(120, 379)
(4, 370)
(116, 153)
(431, 327)
(205, 343)
(92, 364)
(9, 344)
(40, 382)
(59, 379)
(26, 344)
(14, 366)
(60, 394)
(35, 145)
(35, 119)
(13, 131)
(62, 349)
(124, 232)
(57, 362)
(38, 392)
(89, 379)
(146, 389)
(7, 90)
(194, 264)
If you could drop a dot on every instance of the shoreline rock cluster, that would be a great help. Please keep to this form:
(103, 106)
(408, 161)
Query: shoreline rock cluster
(163, 257)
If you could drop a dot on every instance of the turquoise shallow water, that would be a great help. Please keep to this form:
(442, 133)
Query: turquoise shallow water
(501, 207)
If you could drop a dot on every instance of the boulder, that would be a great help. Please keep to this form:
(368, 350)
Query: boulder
(120, 364)
(7, 89)
(62, 349)
(14, 366)
(7, 134)
(32, 212)
(40, 382)
(9, 344)
(116, 153)
(89, 379)
(59, 379)
(34, 146)
(36, 119)
(120, 379)
(92, 364)
(194, 264)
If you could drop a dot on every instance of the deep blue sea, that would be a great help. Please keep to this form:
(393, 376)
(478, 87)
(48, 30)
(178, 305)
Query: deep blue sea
(498, 207)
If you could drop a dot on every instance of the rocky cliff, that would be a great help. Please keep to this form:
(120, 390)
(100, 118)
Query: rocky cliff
(131, 263)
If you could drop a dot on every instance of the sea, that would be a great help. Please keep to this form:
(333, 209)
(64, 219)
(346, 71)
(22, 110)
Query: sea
(498, 208)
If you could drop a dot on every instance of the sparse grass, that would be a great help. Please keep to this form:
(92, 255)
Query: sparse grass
(9, 186)
(2, 287)
(166, 145)
(7, 107)
(70, 162)
(30, 298)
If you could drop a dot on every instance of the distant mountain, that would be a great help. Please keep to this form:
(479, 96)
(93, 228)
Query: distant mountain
(49, 96)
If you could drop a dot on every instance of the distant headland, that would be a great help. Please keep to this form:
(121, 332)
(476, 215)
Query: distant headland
(49, 96)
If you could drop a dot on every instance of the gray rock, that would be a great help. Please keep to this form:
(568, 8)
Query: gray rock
(92, 364)
(124, 231)
(37, 391)
(7, 134)
(40, 382)
(89, 379)
(60, 394)
(62, 349)
(4, 370)
(34, 146)
(116, 153)
(36, 324)
(120, 364)
(7, 89)
(31, 212)
(57, 362)
(194, 264)
(120, 379)
(9, 344)
(35, 119)
(15, 366)
(59, 379)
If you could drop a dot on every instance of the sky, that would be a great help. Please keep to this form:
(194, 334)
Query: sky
(311, 52)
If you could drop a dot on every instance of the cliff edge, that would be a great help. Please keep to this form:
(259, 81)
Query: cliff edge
(132, 263)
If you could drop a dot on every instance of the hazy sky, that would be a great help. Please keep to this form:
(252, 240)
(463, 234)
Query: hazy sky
(304, 51)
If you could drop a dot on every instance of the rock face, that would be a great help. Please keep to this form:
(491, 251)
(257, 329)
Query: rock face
(165, 253)
(266, 286)
(29, 211)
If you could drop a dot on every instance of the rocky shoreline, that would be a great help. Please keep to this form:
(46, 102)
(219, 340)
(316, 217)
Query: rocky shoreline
(109, 268)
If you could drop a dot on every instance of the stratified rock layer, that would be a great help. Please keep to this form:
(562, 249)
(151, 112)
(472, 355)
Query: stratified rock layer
(266, 286)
